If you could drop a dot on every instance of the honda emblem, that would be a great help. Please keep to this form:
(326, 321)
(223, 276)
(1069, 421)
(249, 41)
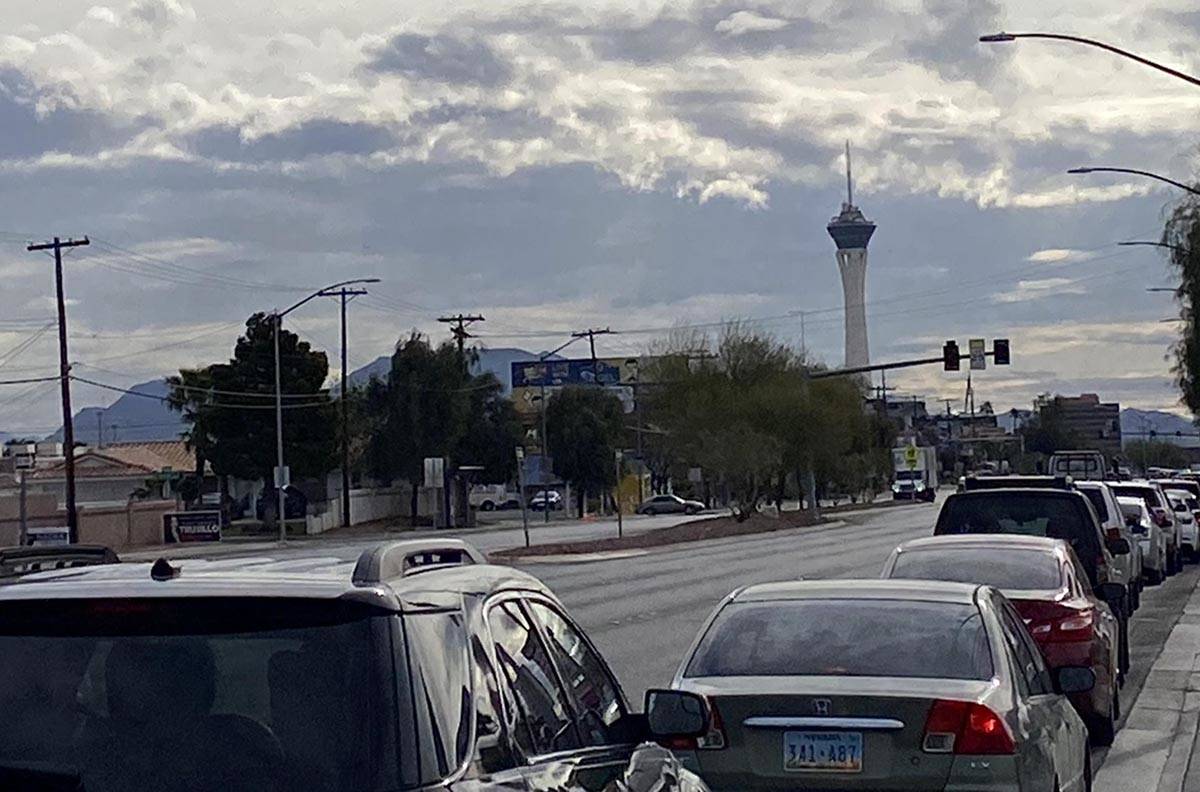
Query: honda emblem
(821, 706)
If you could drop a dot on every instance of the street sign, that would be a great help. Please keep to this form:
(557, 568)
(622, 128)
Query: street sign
(193, 526)
(978, 349)
(283, 476)
(23, 461)
(56, 536)
(435, 472)
(911, 457)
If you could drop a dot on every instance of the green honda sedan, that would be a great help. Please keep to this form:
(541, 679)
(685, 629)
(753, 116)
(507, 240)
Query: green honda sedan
(879, 685)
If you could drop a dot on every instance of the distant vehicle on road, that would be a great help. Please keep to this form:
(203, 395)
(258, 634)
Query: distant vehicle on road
(546, 499)
(914, 473)
(295, 503)
(1079, 464)
(251, 674)
(1150, 537)
(1112, 522)
(490, 497)
(1161, 512)
(669, 504)
(862, 685)
(1044, 581)
(1186, 508)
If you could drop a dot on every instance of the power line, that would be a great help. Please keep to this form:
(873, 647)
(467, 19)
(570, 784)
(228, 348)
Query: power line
(166, 400)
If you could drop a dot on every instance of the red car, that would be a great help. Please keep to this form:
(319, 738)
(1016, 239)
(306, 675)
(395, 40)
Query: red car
(1045, 581)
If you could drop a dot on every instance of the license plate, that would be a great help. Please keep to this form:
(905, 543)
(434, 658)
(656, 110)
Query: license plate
(826, 752)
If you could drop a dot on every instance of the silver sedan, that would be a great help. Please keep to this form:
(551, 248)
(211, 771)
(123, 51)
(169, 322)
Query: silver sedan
(876, 685)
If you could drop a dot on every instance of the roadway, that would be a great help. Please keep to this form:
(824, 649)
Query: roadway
(643, 610)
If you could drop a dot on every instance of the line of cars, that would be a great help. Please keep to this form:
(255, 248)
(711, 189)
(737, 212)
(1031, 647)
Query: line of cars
(983, 658)
(988, 656)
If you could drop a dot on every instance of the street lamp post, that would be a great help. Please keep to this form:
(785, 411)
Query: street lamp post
(281, 515)
(1136, 172)
(1007, 37)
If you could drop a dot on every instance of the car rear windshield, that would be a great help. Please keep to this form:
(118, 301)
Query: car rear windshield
(1096, 496)
(909, 475)
(1147, 495)
(1050, 514)
(202, 695)
(845, 637)
(1131, 508)
(1003, 568)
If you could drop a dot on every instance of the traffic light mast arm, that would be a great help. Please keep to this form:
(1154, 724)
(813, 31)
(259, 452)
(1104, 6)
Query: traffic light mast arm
(899, 364)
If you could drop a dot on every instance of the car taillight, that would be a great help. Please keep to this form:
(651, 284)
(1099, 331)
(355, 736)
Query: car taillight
(966, 727)
(1113, 533)
(714, 738)
(1161, 518)
(1078, 626)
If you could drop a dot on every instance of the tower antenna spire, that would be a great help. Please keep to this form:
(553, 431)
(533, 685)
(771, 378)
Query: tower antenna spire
(849, 187)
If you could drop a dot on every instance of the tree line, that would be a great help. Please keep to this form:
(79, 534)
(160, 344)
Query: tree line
(740, 408)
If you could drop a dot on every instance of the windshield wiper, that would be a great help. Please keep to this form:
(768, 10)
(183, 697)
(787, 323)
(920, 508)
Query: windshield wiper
(40, 777)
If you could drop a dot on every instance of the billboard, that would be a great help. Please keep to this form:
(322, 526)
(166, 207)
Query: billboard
(194, 526)
(531, 377)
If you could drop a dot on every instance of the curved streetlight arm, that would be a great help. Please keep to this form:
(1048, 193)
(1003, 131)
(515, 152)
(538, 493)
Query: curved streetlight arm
(1136, 172)
(1166, 245)
(1003, 37)
(321, 291)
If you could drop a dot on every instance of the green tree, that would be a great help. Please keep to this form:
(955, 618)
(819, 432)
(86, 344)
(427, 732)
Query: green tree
(493, 430)
(1156, 453)
(230, 411)
(422, 411)
(584, 427)
(1182, 236)
(190, 393)
(750, 415)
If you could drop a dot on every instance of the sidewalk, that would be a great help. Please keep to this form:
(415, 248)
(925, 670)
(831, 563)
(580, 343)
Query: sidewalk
(1156, 750)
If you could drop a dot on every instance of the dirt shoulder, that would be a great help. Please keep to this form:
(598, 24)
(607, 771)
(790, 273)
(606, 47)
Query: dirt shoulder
(692, 531)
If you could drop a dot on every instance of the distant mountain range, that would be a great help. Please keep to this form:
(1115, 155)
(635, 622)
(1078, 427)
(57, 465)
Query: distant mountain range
(1136, 425)
(137, 418)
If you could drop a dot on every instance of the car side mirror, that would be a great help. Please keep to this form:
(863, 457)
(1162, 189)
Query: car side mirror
(1074, 679)
(676, 713)
(1118, 546)
(1110, 592)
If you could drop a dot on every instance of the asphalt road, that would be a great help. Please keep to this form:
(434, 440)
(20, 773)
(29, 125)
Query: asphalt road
(643, 611)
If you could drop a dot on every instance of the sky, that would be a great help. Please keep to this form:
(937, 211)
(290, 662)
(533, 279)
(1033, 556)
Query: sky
(563, 165)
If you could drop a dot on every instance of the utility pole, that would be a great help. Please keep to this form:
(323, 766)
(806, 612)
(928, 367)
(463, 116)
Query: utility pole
(590, 335)
(458, 329)
(99, 429)
(64, 373)
(345, 295)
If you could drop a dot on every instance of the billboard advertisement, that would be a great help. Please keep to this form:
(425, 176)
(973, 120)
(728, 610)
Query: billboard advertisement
(531, 377)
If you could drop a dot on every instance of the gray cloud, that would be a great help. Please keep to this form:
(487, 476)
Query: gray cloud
(26, 132)
(311, 138)
(441, 58)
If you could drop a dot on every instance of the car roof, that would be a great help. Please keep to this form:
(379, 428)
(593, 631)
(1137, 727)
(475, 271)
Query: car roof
(303, 577)
(876, 589)
(1012, 492)
(998, 541)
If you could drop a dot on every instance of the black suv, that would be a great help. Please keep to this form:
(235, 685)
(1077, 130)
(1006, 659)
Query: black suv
(418, 667)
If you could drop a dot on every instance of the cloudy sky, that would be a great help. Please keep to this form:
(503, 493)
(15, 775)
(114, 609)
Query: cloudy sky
(569, 164)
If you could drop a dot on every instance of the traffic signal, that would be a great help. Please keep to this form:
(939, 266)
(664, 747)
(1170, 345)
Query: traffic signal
(1000, 352)
(950, 356)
